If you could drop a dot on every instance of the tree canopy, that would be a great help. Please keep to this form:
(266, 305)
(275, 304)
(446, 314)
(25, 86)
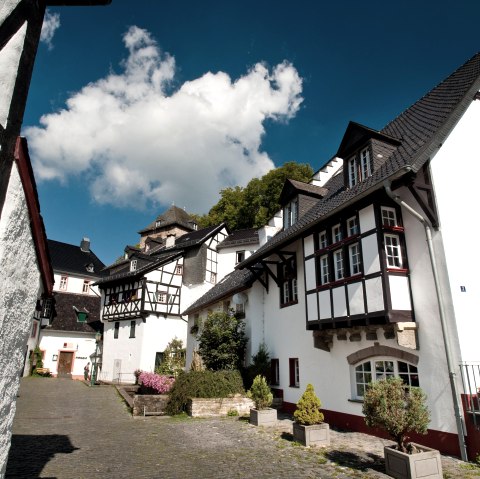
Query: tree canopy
(253, 205)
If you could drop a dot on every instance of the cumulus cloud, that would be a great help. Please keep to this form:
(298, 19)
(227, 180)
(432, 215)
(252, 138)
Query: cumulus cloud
(137, 143)
(51, 22)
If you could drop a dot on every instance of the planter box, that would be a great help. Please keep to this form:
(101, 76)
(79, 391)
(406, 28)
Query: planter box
(426, 464)
(149, 405)
(314, 435)
(211, 407)
(263, 417)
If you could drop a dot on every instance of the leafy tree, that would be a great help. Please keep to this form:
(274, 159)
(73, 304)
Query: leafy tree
(397, 408)
(308, 408)
(222, 342)
(254, 205)
(173, 358)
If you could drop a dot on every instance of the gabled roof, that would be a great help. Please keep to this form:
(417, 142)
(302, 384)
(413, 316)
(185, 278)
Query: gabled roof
(69, 258)
(66, 319)
(173, 216)
(240, 237)
(293, 187)
(422, 129)
(238, 280)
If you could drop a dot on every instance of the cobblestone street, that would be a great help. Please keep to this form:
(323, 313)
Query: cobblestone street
(66, 430)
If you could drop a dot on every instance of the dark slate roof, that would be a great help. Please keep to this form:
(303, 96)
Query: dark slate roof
(239, 238)
(237, 281)
(66, 319)
(173, 216)
(421, 129)
(294, 187)
(69, 258)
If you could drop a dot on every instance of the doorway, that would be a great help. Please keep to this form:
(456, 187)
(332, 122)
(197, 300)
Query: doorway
(65, 364)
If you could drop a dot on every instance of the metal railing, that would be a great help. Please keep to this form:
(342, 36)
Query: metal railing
(471, 387)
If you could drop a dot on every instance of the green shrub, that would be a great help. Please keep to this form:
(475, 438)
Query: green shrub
(260, 366)
(397, 408)
(203, 384)
(308, 408)
(260, 393)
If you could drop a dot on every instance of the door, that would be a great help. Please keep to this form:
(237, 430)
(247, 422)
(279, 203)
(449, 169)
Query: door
(117, 370)
(65, 364)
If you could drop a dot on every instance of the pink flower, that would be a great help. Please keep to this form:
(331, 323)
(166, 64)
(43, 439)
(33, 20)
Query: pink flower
(160, 384)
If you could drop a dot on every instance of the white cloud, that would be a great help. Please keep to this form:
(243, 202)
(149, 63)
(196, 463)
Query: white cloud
(51, 22)
(137, 144)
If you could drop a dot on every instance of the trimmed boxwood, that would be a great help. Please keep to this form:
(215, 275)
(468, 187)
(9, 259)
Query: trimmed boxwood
(203, 384)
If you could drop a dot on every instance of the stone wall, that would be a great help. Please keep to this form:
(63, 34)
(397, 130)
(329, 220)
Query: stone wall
(201, 407)
(149, 405)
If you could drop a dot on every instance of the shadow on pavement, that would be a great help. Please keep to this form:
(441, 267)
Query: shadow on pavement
(355, 461)
(30, 453)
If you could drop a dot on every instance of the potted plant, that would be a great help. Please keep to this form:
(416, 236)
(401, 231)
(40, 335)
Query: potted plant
(262, 414)
(399, 410)
(308, 427)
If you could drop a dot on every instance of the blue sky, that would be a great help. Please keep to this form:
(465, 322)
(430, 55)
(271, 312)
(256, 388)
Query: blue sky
(147, 103)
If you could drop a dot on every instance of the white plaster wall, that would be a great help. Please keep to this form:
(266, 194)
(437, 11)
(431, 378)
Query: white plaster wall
(75, 284)
(366, 218)
(455, 171)
(371, 262)
(19, 290)
(52, 342)
(399, 292)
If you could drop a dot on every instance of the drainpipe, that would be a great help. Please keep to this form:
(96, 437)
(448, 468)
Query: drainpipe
(443, 320)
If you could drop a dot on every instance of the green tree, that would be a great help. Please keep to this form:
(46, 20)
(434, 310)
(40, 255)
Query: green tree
(173, 358)
(222, 342)
(254, 205)
(399, 409)
(260, 393)
(308, 408)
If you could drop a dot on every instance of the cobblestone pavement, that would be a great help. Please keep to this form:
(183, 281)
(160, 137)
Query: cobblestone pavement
(64, 429)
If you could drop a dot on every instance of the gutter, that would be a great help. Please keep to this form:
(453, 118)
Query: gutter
(442, 313)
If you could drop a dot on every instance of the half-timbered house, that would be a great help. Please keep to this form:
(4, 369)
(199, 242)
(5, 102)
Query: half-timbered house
(376, 279)
(144, 293)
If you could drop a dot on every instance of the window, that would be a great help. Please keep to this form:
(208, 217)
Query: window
(240, 310)
(322, 240)
(133, 265)
(116, 330)
(240, 256)
(213, 278)
(393, 251)
(86, 286)
(337, 233)
(63, 283)
(161, 297)
(324, 276)
(389, 216)
(352, 226)
(275, 372)
(359, 167)
(288, 282)
(179, 269)
(158, 223)
(354, 255)
(34, 329)
(132, 329)
(294, 372)
(376, 369)
(290, 213)
(158, 359)
(338, 264)
(47, 308)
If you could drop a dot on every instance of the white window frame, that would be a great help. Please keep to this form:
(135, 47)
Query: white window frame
(324, 269)
(294, 289)
(63, 283)
(338, 264)
(352, 226)
(337, 233)
(213, 277)
(389, 216)
(179, 269)
(393, 252)
(355, 259)
(239, 256)
(365, 163)
(286, 292)
(297, 372)
(86, 286)
(380, 367)
(161, 297)
(352, 171)
(322, 239)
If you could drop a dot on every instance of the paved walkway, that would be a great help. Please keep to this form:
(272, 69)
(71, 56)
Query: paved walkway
(66, 430)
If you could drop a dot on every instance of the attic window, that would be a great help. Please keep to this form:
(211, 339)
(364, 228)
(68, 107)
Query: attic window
(360, 167)
(290, 213)
(133, 265)
(158, 223)
(89, 267)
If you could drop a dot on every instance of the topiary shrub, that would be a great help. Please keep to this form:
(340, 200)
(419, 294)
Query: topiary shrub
(308, 408)
(203, 384)
(397, 408)
(260, 393)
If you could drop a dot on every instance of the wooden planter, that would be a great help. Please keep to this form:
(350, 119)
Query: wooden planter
(424, 464)
(314, 435)
(263, 417)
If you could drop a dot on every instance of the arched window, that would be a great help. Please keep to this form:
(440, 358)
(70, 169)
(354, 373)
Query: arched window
(382, 368)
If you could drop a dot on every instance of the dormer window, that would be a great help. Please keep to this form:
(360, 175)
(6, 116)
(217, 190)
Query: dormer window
(89, 267)
(133, 265)
(290, 213)
(158, 223)
(360, 167)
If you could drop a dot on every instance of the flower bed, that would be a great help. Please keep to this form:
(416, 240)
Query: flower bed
(151, 383)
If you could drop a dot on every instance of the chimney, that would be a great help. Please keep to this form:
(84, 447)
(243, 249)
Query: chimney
(85, 245)
(170, 241)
